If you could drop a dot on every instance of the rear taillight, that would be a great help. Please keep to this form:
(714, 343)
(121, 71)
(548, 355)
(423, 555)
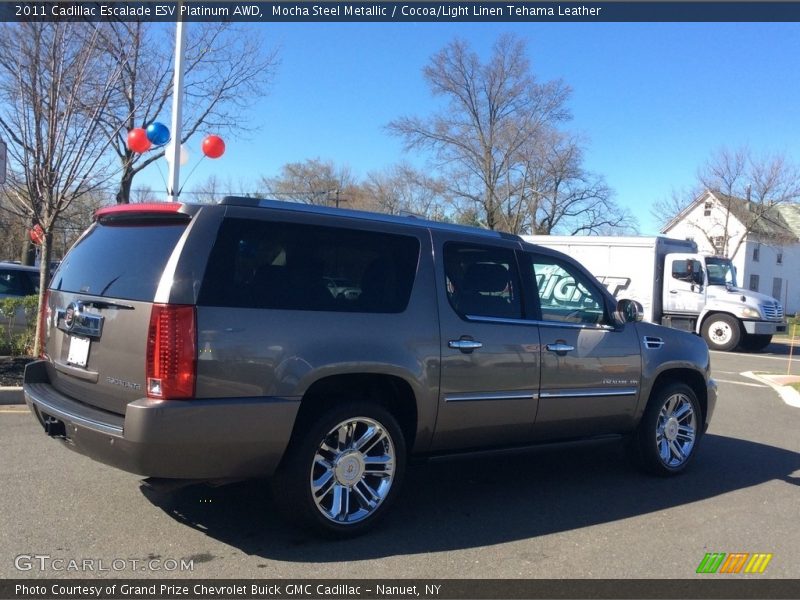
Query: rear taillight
(171, 352)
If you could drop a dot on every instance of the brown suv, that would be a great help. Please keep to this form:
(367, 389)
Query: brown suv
(205, 342)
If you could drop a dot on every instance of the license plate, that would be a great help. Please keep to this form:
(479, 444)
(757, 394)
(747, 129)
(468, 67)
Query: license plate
(78, 351)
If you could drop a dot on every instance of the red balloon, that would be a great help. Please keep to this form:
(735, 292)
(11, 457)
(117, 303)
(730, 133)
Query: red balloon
(213, 146)
(137, 140)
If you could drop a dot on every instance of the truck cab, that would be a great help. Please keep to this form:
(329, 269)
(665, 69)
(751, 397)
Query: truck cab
(701, 294)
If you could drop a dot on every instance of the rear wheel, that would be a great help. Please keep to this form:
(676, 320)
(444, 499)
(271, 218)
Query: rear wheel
(722, 332)
(342, 474)
(669, 431)
(755, 342)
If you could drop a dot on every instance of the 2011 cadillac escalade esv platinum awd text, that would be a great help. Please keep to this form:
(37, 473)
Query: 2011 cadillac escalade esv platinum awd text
(205, 342)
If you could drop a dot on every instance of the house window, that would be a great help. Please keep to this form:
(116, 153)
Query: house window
(719, 245)
(777, 287)
(707, 209)
(756, 253)
(753, 283)
(779, 258)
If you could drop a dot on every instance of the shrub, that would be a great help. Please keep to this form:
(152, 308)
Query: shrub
(18, 325)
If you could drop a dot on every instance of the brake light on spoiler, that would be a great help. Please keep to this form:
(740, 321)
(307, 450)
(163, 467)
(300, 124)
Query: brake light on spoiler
(137, 209)
(171, 352)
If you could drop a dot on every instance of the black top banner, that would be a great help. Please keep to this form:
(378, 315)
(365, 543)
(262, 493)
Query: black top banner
(490, 11)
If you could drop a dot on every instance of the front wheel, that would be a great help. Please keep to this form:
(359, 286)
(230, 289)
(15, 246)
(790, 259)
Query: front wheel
(666, 439)
(722, 332)
(342, 474)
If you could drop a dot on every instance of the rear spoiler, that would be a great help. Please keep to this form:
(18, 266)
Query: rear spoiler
(145, 209)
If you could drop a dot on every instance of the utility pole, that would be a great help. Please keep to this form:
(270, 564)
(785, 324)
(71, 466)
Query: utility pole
(173, 184)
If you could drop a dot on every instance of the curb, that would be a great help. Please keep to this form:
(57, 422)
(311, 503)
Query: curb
(788, 394)
(11, 395)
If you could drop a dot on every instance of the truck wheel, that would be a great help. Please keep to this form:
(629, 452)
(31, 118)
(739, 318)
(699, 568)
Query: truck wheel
(722, 332)
(667, 436)
(341, 475)
(755, 342)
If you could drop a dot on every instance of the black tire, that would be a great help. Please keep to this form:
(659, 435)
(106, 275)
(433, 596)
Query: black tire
(661, 444)
(755, 342)
(722, 332)
(365, 480)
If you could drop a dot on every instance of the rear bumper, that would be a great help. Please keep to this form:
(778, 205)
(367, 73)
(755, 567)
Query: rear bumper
(764, 327)
(184, 439)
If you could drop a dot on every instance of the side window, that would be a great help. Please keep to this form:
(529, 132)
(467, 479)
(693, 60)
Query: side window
(687, 270)
(15, 283)
(482, 281)
(263, 264)
(565, 294)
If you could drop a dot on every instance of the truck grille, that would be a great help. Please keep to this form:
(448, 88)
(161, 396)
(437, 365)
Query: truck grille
(773, 311)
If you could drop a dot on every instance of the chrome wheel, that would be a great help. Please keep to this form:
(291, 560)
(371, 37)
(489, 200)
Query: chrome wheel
(353, 470)
(676, 430)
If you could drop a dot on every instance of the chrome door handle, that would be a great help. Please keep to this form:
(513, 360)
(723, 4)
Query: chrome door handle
(464, 345)
(673, 291)
(559, 348)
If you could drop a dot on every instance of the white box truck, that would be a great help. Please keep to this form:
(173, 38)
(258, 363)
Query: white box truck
(677, 286)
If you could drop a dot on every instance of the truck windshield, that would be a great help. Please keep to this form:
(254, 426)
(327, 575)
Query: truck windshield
(720, 271)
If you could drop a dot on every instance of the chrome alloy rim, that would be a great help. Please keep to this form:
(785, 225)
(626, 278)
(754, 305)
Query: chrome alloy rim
(676, 430)
(720, 332)
(353, 470)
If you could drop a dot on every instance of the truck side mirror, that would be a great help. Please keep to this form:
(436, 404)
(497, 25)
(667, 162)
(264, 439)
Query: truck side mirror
(630, 311)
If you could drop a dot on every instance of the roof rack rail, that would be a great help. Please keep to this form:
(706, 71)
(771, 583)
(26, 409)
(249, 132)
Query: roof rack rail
(241, 201)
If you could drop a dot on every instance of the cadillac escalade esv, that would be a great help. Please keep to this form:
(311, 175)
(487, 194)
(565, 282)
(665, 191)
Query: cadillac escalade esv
(206, 342)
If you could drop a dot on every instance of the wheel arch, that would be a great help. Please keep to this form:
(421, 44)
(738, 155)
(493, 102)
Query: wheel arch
(694, 379)
(390, 391)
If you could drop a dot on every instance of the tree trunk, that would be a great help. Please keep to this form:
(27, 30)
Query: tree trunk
(28, 254)
(125, 184)
(44, 280)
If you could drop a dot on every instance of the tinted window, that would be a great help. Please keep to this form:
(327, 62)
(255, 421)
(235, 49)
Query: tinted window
(260, 264)
(124, 260)
(482, 281)
(565, 294)
(16, 282)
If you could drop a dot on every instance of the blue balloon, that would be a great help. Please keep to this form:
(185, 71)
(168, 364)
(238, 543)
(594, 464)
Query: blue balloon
(157, 133)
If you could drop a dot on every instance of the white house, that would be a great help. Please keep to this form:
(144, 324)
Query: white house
(763, 242)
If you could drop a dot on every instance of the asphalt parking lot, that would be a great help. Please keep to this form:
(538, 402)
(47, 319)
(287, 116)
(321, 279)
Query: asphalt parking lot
(578, 511)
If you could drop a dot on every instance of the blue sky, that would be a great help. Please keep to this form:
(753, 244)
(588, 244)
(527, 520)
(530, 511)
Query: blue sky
(654, 100)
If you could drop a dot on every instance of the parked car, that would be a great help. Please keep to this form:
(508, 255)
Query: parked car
(17, 281)
(202, 342)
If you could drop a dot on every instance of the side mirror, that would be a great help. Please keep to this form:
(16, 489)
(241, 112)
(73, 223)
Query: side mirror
(629, 311)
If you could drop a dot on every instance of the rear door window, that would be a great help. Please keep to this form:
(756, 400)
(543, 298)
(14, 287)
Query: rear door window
(482, 281)
(123, 259)
(266, 264)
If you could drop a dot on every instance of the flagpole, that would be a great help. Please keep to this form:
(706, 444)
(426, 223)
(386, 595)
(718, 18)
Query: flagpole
(173, 183)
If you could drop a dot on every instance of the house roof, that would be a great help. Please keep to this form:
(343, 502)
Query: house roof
(781, 221)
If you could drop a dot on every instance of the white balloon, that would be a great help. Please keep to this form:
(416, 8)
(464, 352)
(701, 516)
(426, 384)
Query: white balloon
(168, 150)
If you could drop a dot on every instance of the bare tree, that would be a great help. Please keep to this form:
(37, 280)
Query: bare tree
(312, 181)
(750, 188)
(556, 194)
(54, 87)
(493, 110)
(226, 68)
(403, 189)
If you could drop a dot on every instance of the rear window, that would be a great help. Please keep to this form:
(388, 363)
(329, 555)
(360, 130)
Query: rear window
(261, 264)
(123, 259)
